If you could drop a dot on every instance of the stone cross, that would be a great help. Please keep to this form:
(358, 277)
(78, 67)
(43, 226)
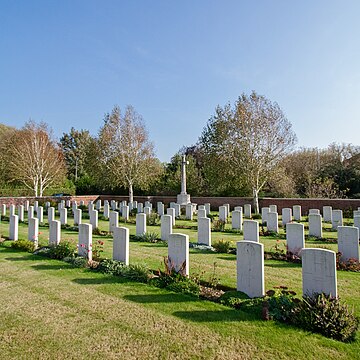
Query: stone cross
(183, 174)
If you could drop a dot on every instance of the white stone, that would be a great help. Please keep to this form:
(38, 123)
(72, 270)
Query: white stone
(140, 224)
(40, 214)
(113, 205)
(250, 268)
(286, 215)
(264, 215)
(21, 212)
(14, 227)
(251, 230)
(98, 205)
(201, 207)
(327, 213)
(348, 242)
(337, 219)
(236, 220)
(147, 210)
(319, 272)
(201, 213)
(160, 208)
(113, 220)
(85, 241)
(356, 213)
(135, 204)
(125, 212)
(77, 216)
(189, 211)
(60, 206)
(273, 222)
(33, 230)
(3, 210)
(166, 227)
(51, 214)
(178, 252)
(140, 208)
(177, 209)
(148, 204)
(222, 213)
(106, 210)
(36, 204)
(82, 202)
(68, 203)
(297, 212)
(207, 208)
(204, 231)
(26, 205)
(171, 211)
(357, 222)
(11, 209)
(30, 212)
(94, 220)
(273, 208)
(121, 245)
(247, 211)
(55, 232)
(63, 216)
(314, 212)
(315, 225)
(295, 238)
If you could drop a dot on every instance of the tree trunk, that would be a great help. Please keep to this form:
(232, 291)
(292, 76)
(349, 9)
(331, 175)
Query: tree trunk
(256, 201)
(131, 193)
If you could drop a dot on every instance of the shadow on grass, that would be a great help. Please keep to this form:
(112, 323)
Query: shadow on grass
(159, 298)
(230, 257)
(282, 264)
(101, 281)
(229, 315)
(62, 266)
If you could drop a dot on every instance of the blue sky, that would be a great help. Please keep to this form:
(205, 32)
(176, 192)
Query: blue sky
(69, 62)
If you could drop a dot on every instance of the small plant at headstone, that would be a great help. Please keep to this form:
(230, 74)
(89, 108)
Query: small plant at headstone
(77, 261)
(24, 245)
(62, 250)
(350, 265)
(256, 216)
(113, 267)
(133, 212)
(97, 250)
(151, 237)
(218, 225)
(152, 219)
(222, 246)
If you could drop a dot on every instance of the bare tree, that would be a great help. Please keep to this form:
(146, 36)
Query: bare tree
(126, 154)
(34, 158)
(250, 139)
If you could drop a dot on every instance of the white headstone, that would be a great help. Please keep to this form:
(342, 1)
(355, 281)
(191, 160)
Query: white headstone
(113, 220)
(55, 232)
(63, 216)
(314, 212)
(85, 241)
(286, 214)
(319, 272)
(33, 230)
(140, 224)
(147, 210)
(68, 203)
(247, 211)
(51, 214)
(236, 220)
(327, 213)
(178, 252)
(11, 209)
(30, 212)
(189, 211)
(148, 204)
(315, 225)
(166, 227)
(238, 208)
(125, 212)
(3, 209)
(40, 214)
(357, 222)
(273, 222)
(36, 204)
(177, 210)
(140, 208)
(207, 208)
(337, 219)
(21, 212)
(348, 242)
(201, 213)
(14, 227)
(121, 245)
(222, 213)
(295, 238)
(94, 218)
(204, 231)
(250, 268)
(106, 210)
(264, 215)
(77, 216)
(227, 210)
(160, 208)
(171, 211)
(273, 208)
(26, 205)
(98, 205)
(297, 212)
(251, 230)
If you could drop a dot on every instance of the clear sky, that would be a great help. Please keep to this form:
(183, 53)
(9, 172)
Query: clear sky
(69, 62)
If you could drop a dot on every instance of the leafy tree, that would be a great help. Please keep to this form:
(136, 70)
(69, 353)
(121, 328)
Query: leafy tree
(34, 158)
(245, 143)
(125, 154)
(75, 146)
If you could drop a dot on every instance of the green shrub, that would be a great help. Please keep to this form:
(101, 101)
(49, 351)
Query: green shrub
(327, 316)
(219, 225)
(108, 266)
(256, 216)
(25, 245)
(282, 304)
(222, 246)
(239, 300)
(78, 261)
(152, 219)
(151, 237)
(62, 250)
(136, 272)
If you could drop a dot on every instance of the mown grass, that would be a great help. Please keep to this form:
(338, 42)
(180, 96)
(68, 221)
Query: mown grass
(50, 310)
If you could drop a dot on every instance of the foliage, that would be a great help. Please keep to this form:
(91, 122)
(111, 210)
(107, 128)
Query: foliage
(25, 245)
(327, 316)
(239, 300)
(222, 246)
(281, 304)
(218, 225)
(62, 250)
(249, 140)
(151, 237)
(152, 219)
(97, 250)
(77, 261)
(350, 265)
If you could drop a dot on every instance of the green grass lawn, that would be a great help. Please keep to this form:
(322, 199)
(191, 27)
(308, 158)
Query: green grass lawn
(50, 310)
